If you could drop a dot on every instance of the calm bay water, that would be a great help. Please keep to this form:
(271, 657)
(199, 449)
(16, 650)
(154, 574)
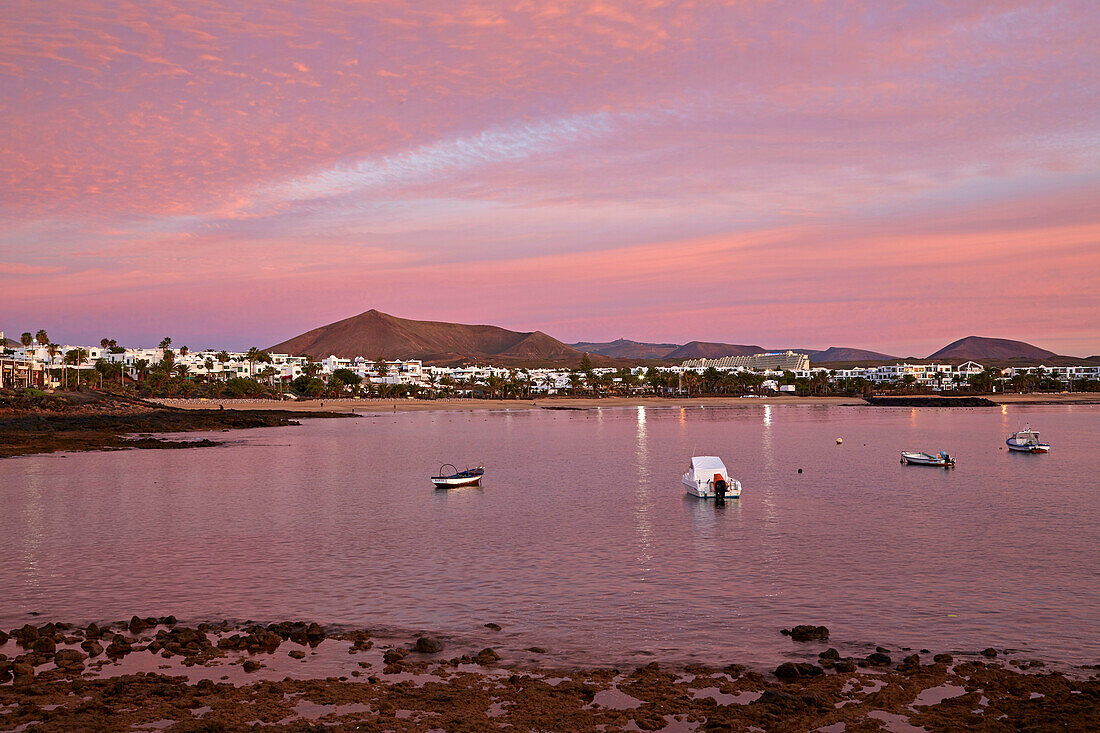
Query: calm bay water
(582, 539)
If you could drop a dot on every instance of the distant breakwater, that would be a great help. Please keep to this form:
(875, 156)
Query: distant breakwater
(925, 401)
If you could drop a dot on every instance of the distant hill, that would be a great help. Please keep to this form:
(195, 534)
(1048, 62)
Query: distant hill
(707, 350)
(375, 335)
(626, 349)
(842, 353)
(989, 349)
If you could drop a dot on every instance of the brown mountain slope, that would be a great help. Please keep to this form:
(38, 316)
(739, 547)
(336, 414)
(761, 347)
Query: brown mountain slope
(379, 335)
(979, 348)
(626, 349)
(708, 350)
(844, 353)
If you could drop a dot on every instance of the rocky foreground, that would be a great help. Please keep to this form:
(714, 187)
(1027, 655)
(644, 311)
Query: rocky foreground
(100, 421)
(153, 673)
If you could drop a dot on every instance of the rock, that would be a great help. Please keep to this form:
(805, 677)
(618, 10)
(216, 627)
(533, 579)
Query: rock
(878, 659)
(910, 663)
(22, 673)
(536, 649)
(845, 666)
(989, 652)
(486, 656)
(296, 654)
(168, 620)
(943, 659)
(27, 636)
(137, 625)
(787, 671)
(119, 646)
(3, 637)
(44, 645)
(69, 660)
(314, 633)
(93, 647)
(829, 653)
(392, 656)
(494, 627)
(882, 650)
(251, 666)
(427, 645)
(807, 632)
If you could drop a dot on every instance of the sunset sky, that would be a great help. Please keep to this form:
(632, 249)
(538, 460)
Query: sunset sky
(888, 175)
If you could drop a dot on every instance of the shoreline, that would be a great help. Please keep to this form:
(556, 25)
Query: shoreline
(448, 404)
(158, 673)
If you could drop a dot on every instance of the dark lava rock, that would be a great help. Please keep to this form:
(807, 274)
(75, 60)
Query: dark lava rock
(787, 704)
(807, 632)
(26, 636)
(943, 659)
(989, 652)
(137, 625)
(314, 633)
(22, 673)
(44, 645)
(3, 637)
(882, 650)
(251, 666)
(879, 659)
(910, 663)
(486, 656)
(392, 656)
(845, 665)
(536, 649)
(93, 647)
(296, 654)
(797, 670)
(92, 632)
(119, 646)
(829, 653)
(168, 620)
(427, 645)
(494, 627)
(69, 660)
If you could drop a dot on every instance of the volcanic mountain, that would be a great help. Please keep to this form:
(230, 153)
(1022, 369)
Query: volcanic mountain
(708, 350)
(843, 353)
(979, 348)
(626, 349)
(375, 335)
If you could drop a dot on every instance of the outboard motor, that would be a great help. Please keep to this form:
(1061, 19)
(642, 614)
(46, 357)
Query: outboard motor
(720, 487)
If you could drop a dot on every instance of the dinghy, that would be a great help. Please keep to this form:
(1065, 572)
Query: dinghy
(927, 459)
(456, 478)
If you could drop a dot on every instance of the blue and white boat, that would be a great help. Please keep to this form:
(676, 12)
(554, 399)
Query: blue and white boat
(1027, 441)
(456, 478)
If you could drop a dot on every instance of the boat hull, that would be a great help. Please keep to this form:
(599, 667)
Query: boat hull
(706, 491)
(1027, 447)
(451, 482)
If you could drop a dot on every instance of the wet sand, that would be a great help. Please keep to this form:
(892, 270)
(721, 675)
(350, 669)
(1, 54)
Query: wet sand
(156, 674)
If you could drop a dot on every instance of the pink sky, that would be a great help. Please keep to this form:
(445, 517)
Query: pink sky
(889, 176)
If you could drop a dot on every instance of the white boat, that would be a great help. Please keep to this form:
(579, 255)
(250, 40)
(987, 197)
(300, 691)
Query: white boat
(707, 477)
(927, 459)
(456, 478)
(1027, 441)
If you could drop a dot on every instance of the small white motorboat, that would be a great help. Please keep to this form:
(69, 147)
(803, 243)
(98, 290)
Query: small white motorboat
(456, 478)
(1027, 441)
(942, 460)
(708, 478)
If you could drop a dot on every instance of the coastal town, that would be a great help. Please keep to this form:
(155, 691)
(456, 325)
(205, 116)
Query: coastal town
(35, 362)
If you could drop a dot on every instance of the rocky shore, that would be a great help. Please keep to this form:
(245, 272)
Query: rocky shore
(96, 421)
(154, 673)
(930, 401)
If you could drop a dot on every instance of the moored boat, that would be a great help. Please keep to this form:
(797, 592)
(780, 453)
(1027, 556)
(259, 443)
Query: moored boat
(456, 478)
(942, 459)
(1027, 441)
(707, 478)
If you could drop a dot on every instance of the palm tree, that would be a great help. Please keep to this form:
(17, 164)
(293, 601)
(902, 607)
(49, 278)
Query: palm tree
(165, 342)
(141, 368)
(41, 337)
(26, 339)
(254, 355)
(53, 350)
